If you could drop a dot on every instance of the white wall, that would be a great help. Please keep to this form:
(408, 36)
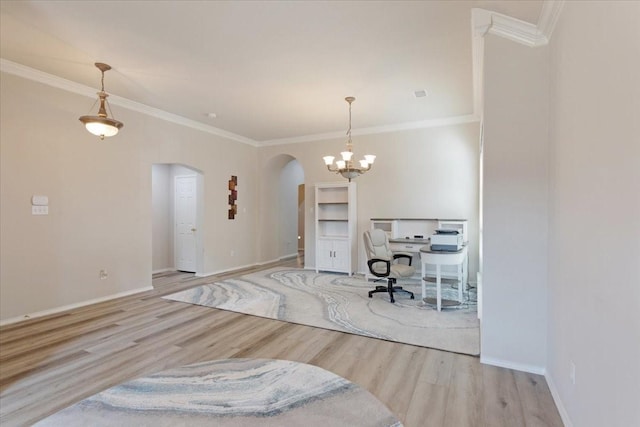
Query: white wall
(594, 219)
(515, 205)
(425, 173)
(161, 236)
(269, 236)
(101, 199)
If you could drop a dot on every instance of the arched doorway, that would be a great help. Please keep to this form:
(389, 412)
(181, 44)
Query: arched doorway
(282, 209)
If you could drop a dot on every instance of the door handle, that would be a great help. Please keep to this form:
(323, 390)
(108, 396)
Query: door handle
(193, 229)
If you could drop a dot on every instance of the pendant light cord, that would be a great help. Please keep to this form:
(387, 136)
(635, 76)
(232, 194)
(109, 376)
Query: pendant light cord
(349, 144)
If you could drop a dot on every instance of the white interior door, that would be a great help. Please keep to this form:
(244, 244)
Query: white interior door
(185, 220)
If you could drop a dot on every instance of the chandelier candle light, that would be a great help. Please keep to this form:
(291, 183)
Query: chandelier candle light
(101, 125)
(346, 166)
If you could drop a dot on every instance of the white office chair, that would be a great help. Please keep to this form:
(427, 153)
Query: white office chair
(383, 263)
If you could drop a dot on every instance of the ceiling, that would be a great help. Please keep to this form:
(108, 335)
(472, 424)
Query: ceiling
(269, 70)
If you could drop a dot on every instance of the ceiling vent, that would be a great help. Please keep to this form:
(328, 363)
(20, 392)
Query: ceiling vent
(420, 93)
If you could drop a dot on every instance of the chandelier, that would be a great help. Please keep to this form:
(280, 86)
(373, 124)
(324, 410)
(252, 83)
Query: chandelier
(346, 167)
(101, 125)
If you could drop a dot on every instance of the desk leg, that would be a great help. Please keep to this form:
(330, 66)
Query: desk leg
(438, 288)
(460, 281)
(465, 269)
(424, 284)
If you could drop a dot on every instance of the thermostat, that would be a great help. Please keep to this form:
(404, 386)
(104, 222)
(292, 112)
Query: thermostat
(40, 200)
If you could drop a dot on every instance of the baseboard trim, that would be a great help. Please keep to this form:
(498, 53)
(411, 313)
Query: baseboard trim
(72, 306)
(162, 270)
(237, 268)
(226, 270)
(246, 266)
(564, 415)
(532, 369)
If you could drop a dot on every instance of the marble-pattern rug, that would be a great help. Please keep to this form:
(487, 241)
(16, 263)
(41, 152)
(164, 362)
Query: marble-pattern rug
(231, 393)
(341, 303)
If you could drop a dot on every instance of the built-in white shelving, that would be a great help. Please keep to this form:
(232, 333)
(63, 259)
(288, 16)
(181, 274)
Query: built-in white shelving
(336, 247)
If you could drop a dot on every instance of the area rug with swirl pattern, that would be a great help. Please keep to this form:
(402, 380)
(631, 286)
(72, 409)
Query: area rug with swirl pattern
(340, 302)
(231, 393)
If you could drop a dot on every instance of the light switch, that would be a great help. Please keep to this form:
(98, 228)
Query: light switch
(37, 200)
(40, 210)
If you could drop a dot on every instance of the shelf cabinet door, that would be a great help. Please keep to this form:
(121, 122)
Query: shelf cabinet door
(324, 258)
(341, 260)
(333, 255)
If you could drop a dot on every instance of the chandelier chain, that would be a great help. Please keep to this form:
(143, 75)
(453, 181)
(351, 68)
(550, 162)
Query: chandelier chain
(349, 144)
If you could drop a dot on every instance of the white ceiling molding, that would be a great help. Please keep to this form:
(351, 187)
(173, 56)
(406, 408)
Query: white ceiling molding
(549, 17)
(29, 73)
(482, 22)
(487, 22)
(80, 89)
(518, 31)
(423, 124)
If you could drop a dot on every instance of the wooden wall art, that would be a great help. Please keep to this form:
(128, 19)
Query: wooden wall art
(233, 196)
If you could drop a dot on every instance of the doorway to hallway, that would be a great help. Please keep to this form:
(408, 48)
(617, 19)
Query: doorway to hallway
(177, 210)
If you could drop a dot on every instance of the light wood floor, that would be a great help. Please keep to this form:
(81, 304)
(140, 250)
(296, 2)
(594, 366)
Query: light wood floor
(51, 362)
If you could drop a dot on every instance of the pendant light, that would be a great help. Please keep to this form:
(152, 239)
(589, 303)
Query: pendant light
(101, 125)
(346, 167)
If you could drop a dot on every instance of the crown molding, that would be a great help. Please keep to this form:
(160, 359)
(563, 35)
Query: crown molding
(485, 22)
(423, 124)
(80, 89)
(29, 73)
(549, 17)
(489, 22)
(482, 22)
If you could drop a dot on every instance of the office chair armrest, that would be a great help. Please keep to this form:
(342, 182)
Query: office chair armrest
(403, 255)
(375, 260)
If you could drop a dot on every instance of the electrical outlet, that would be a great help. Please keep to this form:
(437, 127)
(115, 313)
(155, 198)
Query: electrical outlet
(39, 210)
(103, 275)
(572, 372)
(233, 252)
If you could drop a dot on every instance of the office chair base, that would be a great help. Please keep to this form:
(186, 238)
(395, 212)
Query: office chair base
(390, 289)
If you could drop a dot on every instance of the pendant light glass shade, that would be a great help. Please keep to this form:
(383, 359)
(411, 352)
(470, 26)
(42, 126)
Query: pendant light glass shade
(101, 126)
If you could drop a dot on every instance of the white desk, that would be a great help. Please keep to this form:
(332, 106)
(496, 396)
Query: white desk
(411, 246)
(440, 258)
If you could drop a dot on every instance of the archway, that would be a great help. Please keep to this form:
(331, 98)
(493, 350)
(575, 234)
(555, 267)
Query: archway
(281, 208)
